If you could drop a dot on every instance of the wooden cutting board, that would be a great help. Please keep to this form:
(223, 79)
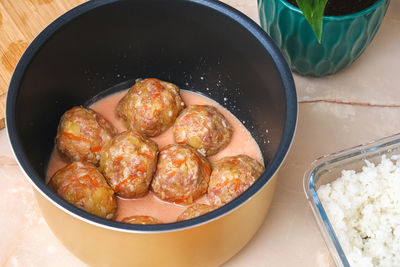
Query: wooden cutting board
(20, 22)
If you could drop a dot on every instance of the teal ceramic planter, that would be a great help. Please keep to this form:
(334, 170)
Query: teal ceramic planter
(344, 38)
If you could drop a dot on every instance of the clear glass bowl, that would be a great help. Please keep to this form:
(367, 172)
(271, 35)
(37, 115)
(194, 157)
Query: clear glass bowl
(328, 168)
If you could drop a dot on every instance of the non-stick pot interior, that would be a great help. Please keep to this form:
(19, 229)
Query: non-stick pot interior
(192, 45)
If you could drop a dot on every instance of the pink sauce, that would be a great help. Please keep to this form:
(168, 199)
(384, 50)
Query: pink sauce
(242, 143)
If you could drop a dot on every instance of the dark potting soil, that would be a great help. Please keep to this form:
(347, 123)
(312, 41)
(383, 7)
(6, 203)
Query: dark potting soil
(342, 7)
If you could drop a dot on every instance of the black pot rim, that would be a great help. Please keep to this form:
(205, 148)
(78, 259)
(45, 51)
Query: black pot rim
(40, 186)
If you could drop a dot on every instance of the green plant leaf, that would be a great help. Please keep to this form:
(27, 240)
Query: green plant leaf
(313, 11)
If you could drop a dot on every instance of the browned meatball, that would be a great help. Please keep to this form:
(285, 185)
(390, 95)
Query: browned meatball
(140, 219)
(231, 176)
(150, 106)
(84, 186)
(128, 162)
(204, 128)
(82, 133)
(194, 211)
(182, 174)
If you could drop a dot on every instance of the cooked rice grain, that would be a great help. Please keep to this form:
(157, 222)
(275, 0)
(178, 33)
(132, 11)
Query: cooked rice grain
(364, 209)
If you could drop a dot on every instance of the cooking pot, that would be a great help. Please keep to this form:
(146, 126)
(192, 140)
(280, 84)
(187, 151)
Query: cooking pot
(101, 47)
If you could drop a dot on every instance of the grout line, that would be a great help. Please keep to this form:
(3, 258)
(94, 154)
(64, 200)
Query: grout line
(361, 104)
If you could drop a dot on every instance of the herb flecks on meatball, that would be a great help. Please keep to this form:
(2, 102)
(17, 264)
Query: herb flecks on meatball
(231, 176)
(84, 186)
(204, 128)
(182, 174)
(82, 133)
(150, 106)
(128, 162)
(194, 211)
(140, 219)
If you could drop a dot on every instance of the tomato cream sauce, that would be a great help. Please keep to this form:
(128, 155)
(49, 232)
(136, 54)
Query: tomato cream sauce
(241, 143)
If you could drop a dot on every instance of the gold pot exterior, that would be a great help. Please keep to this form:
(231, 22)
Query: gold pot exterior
(209, 244)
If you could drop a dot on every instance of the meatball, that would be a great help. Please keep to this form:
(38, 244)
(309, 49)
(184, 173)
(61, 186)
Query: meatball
(204, 128)
(150, 106)
(128, 162)
(82, 185)
(231, 176)
(140, 219)
(82, 133)
(194, 211)
(182, 174)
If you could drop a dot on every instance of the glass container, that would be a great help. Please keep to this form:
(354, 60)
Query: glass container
(328, 168)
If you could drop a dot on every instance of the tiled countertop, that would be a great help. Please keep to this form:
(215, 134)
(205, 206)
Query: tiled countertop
(357, 105)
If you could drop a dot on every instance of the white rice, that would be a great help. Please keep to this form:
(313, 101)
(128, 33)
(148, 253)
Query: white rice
(364, 209)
